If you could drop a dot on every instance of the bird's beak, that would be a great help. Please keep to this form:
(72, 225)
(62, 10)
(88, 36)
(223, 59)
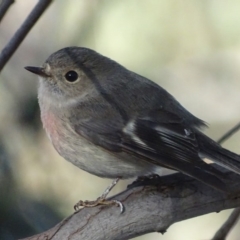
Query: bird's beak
(37, 70)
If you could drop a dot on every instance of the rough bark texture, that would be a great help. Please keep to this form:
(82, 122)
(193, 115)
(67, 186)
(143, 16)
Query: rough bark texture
(149, 207)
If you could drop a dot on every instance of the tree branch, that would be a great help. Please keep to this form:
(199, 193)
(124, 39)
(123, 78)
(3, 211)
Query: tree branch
(148, 208)
(4, 7)
(20, 34)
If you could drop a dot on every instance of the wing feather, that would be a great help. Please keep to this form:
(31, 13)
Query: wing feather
(161, 142)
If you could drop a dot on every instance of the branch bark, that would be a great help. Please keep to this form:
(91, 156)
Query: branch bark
(153, 207)
(18, 37)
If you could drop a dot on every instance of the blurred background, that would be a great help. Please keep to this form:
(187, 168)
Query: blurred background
(191, 48)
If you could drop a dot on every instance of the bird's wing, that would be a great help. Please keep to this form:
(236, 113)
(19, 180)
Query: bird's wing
(160, 138)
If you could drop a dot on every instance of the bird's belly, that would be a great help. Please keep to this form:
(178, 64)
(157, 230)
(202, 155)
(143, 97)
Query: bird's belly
(100, 162)
(89, 157)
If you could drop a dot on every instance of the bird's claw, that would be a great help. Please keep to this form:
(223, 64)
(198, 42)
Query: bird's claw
(99, 201)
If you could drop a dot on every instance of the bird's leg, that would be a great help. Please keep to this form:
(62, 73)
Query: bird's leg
(109, 188)
(102, 199)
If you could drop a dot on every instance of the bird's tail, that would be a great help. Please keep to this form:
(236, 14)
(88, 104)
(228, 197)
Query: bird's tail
(212, 150)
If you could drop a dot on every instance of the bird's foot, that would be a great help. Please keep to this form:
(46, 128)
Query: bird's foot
(101, 200)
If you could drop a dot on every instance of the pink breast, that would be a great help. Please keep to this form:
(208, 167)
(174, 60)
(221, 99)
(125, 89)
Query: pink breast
(52, 127)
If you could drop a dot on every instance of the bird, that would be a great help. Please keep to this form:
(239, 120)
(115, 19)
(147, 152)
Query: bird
(117, 124)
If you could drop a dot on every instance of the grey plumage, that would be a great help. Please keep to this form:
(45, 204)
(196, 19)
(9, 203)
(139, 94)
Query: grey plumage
(113, 122)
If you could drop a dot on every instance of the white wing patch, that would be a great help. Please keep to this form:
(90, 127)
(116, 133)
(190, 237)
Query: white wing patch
(129, 129)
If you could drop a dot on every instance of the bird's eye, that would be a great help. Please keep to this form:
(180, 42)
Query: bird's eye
(71, 76)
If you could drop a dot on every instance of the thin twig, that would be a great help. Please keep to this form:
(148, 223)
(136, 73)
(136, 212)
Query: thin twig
(229, 133)
(18, 37)
(224, 230)
(4, 7)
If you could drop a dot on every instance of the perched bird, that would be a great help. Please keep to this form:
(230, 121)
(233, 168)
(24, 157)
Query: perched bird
(114, 123)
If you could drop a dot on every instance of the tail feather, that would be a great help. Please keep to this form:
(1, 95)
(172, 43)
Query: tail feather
(212, 150)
